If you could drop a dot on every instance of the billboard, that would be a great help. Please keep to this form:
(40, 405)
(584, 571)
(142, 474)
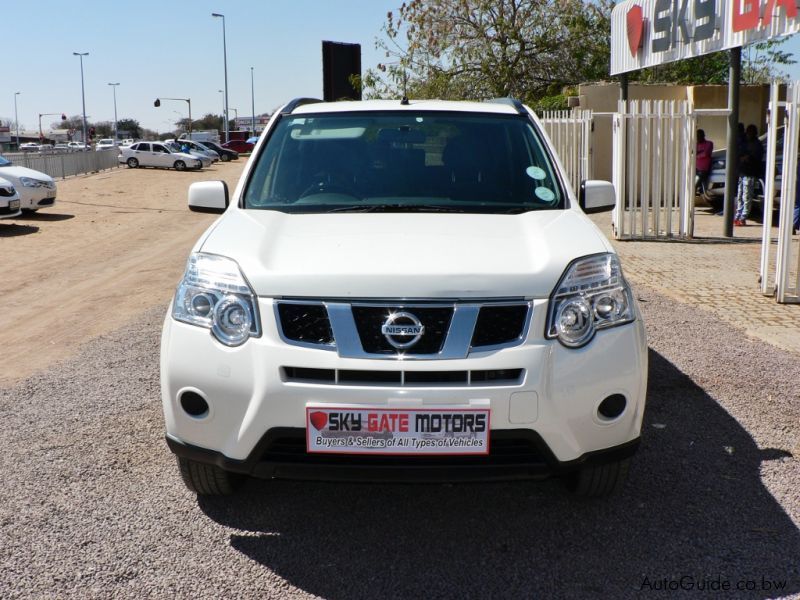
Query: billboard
(646, 33)
(339, 63)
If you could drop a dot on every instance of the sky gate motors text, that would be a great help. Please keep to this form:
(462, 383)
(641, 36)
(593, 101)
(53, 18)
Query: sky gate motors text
(454, 422)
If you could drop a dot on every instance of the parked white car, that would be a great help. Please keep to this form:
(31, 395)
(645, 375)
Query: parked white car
(36, 189)
(29, 147)
(156, 154)
(106, 144)
(79, 146)
(402, 289)
(9, 200)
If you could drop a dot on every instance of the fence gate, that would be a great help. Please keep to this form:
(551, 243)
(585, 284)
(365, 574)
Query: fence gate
(786, 278)
(654, 170)
(571, 134)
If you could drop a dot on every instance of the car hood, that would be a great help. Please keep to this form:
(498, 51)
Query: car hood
(14, 172)
(404, 255)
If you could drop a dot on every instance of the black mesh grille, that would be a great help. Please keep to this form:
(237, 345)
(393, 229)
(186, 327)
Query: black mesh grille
(499, 325)
(369, 320)
(305, 323)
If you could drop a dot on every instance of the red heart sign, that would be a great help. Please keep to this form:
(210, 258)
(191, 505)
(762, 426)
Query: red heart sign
(319, 420)
(635, 19)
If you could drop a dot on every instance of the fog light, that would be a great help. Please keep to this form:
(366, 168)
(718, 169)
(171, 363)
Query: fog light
(194, 404)
(612, 407)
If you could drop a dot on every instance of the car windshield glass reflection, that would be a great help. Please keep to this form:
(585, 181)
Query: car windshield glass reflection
(399, 162)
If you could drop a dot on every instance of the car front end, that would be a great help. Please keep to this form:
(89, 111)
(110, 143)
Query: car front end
(36, 190)
(9, 200)
(328, 336)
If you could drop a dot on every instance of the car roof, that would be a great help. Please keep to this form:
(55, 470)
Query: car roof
(498, 107)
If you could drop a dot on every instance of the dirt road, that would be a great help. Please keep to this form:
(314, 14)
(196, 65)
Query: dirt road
(113, 246)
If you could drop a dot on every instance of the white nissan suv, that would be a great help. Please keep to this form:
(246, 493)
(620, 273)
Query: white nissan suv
(403, 290)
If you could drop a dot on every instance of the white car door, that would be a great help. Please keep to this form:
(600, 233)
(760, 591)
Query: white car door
(162, 156)
(141, 152)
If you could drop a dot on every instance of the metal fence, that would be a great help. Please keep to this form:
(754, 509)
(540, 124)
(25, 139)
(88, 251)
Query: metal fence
(654, 168)
(67, 164)
(571, 134)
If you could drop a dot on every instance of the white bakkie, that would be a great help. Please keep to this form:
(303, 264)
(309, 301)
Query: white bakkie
(404, 291)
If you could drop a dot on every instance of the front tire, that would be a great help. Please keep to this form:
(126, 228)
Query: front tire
(208, 480)
(598, 481)
(224, 158)
(180, 165)
(132, 163)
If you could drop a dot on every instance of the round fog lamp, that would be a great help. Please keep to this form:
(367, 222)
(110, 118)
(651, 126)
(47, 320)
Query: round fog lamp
(232, 321)
(610, 305)
(574, 322)
(201, 305)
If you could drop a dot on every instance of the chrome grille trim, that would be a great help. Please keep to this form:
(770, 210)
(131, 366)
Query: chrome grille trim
(457, 343)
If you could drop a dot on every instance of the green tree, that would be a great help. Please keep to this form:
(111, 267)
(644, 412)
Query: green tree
(485, 48)
(129, 127)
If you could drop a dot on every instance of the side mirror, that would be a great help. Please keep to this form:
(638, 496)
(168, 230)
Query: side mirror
(208, 196)
(596, 196)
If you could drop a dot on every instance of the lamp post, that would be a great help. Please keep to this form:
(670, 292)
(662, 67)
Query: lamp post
(16, 120)
(80, 55)
(157, 103)
(225, 61)
(222, 92)
(253, 100)
(114, 87)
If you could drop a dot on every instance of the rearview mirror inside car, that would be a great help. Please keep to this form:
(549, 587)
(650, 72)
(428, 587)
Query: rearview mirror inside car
(597, 195)
(208, 196)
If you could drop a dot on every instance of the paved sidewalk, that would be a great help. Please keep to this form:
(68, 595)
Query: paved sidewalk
(714, 274)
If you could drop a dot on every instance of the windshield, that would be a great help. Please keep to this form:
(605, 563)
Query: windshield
(4, 162)
(382, 161)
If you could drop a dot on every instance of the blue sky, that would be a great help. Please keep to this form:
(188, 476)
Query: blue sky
(168, 48)
(174, 49)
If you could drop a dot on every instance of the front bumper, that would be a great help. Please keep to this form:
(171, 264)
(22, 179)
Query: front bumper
(553, 408)
(32, 198)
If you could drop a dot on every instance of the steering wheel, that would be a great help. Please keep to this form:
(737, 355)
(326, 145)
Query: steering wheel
(328, 183)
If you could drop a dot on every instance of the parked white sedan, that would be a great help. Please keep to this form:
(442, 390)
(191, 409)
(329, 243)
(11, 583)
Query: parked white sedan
(36, 189)
(9, 200)
(156, 154)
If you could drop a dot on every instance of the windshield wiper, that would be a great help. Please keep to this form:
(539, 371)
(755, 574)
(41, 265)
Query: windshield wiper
(398, 208)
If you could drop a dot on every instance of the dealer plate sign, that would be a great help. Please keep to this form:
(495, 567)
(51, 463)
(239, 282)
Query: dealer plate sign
(397, 431)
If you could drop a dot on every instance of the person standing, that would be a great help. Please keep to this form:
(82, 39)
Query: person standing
(703, 161)
(749, 169)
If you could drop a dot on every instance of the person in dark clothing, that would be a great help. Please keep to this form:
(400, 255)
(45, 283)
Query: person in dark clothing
(749, 169)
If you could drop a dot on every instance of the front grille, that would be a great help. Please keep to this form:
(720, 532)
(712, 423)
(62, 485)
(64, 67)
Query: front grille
(499, 325)
(492, 377)
(306, 323)
(370, 319)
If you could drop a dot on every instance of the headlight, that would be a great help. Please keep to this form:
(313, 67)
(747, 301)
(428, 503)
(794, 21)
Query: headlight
(214, 294)
(591, 295)
(28, 182)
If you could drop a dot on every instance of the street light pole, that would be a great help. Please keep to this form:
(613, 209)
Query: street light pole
(253, 100)
(16, 119)
(114, 87)
(83, 94)
(157, 103)
(223, 107)
(225, 60)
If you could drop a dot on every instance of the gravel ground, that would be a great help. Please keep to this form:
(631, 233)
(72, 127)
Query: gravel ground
(91, 504)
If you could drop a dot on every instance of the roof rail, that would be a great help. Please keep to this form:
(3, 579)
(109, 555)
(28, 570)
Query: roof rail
(287, 110)
(514, 103)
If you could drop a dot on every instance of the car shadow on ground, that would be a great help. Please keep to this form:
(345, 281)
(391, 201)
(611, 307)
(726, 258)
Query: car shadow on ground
(694, 513)
(14, 230)
(40, 216)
